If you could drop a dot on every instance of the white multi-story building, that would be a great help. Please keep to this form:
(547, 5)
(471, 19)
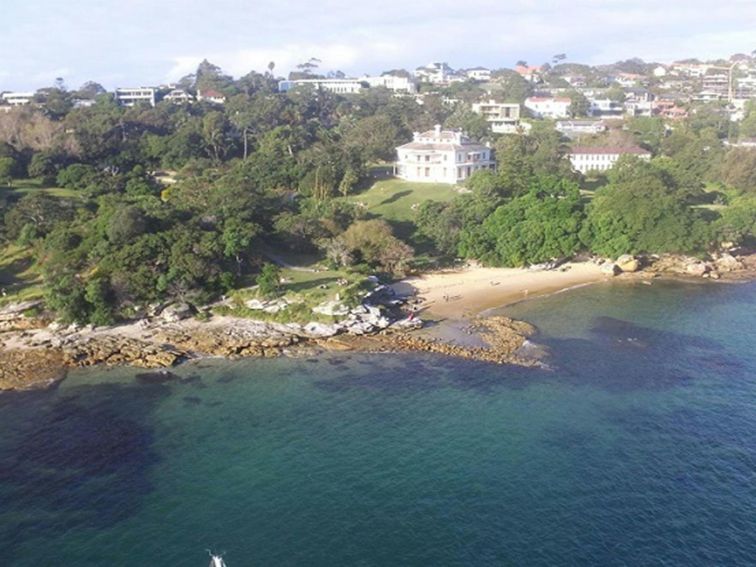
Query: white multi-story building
(478, 74)
(441, 156)
(178, 96)
(17, 99)
(574, 128)
(339, 86)
(134, 96)
(548, 106)
(504, 118)
(585, 159)
(393, 83)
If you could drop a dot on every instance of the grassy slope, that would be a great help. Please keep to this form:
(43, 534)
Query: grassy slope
(18, 276)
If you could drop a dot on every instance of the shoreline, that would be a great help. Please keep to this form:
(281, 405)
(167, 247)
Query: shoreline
(36, 355)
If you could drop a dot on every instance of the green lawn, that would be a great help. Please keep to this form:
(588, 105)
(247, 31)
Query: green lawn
(21, 187)
(393, 199)
(18, 276)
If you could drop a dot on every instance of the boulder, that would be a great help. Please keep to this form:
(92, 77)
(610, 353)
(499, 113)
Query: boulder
(254, 304)
(319, 330)
(628, 263)
(331, 308)
(176, 312)
(610, 269)
(697, 268)
(728, 263)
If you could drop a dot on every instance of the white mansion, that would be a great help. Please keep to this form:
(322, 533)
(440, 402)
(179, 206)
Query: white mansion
(441, 156)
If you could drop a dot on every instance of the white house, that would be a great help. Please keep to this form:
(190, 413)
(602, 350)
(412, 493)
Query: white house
(478, 74)
(548, 106)
(339, 86)
(436, 73)
(573, 128)
(441, 156)
(393, 83)
(504, 118)
(134, 96)
(178, 96)
(586, 159)
(17, 99)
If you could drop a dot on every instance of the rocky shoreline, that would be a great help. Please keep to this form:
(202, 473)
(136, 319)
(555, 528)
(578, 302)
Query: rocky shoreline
(36, 352)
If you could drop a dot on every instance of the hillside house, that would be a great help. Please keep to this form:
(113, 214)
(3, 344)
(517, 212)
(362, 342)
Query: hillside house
(504, 118)
(548, 106)
(441, 156)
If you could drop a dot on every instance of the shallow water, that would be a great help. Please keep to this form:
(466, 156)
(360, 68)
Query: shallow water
(639, 447)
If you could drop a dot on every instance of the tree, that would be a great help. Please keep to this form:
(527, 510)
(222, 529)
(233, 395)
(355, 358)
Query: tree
(536, 227)
(373, 241)
(639, 212)
(237, 237)
(7, 168)
(579, 105)
(269, 280)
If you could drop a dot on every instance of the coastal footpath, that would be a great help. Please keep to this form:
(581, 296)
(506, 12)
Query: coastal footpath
(36, 352)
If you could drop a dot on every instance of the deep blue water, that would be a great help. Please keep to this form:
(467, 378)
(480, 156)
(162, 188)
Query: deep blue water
(638, 448)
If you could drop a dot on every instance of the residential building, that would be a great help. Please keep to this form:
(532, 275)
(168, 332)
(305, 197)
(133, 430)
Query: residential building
(393, 83)
(178, 96)
(576, 128)
(441, 156)
(338, 86)
(548, 107)
(605, 107)
(478, 74)
(504, 118)
(585, 159)
(17, 99)
(436, 73)
(530, 73)
(134, 96)
(211, 95)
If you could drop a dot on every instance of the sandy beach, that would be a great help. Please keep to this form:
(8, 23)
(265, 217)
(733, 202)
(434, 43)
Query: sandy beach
(466, 292)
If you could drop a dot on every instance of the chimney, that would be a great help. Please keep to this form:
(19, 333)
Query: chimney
(437, 129)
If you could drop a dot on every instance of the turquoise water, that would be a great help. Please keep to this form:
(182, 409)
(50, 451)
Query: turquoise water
(638, 448)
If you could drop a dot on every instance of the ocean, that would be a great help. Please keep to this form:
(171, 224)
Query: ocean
(636, 447)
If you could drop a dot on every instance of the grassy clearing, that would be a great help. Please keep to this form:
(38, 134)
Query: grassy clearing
(18, 275)
(395, 199)
(21, 187)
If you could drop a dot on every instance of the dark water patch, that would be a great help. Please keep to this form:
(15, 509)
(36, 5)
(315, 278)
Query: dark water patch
(76, 461)
(337, 361)
(622, 334)
(227, 378)
(193, 380)
(159, 377)
(191, 400)
(312, 360)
